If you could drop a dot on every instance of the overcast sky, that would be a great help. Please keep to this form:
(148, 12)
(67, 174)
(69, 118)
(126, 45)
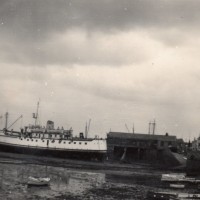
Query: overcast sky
(115, 62)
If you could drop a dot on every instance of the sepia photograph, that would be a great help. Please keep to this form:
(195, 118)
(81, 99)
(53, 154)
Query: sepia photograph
(99, 100)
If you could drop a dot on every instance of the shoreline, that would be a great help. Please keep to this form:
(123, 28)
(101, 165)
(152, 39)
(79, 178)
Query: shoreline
(81, 164)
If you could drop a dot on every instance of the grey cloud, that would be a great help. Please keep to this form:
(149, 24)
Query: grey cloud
(75, 47)
(26, 26)
(35, 19)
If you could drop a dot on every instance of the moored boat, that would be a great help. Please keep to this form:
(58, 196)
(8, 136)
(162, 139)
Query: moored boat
(38, 181)
(177, 186)
(48, 141)
(164, 195)
(161, 195)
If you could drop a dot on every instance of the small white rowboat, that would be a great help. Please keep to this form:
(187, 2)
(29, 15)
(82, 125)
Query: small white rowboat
(33, 181)
(178, 186)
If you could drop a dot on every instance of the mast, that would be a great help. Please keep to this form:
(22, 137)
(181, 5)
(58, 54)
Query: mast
(86, 129)
(6, 122)
(133, 129)
(35, 115)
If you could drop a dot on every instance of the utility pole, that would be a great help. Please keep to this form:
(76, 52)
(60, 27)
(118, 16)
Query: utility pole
(149, 127)
(154, 126)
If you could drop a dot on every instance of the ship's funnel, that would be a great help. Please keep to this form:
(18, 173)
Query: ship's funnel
(50, 125)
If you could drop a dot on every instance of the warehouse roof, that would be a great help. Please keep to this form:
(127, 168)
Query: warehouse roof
(141, 136)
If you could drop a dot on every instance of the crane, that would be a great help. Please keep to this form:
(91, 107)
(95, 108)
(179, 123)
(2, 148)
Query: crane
(127, 128)
(15, 121)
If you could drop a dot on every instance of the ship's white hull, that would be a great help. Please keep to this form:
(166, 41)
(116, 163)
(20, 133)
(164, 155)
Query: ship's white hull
(72, 148)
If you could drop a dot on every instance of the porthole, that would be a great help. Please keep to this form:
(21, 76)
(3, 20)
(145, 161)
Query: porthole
(27, 139)
(85, 143)
(74, 142)
(69, 142)
(36, 140)
(64, 142)
(79, 142)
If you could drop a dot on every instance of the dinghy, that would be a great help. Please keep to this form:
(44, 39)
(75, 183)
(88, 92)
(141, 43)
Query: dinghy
(178, 186)
(33, 181)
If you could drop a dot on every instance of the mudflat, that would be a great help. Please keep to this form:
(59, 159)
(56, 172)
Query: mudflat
(75, 179)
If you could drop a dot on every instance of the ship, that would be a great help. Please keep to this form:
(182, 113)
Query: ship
(50, 142)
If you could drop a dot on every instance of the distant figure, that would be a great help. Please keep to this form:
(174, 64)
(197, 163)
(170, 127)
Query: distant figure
(25, 129)
(81, 135)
